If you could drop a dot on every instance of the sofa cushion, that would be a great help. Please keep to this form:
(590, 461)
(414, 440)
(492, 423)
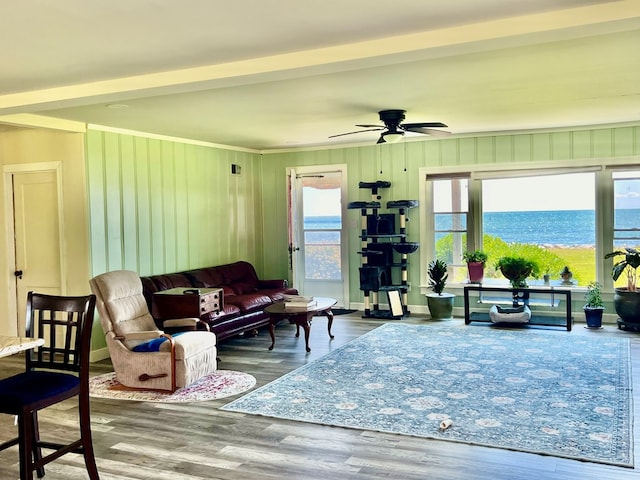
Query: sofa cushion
(272, 284)
(277, 295)
(227, 290)
(148, 285)
(205, 277)
(171, 280)
(239, 272)
(244, 287)
(229, 311)
(249, 302)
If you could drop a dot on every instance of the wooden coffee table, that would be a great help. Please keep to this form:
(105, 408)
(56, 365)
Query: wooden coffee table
(302, 319)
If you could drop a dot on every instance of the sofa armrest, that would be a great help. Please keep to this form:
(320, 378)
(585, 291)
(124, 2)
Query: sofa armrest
(275, 283)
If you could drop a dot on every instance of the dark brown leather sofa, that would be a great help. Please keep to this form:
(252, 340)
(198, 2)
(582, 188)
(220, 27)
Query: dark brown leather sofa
(245, 295)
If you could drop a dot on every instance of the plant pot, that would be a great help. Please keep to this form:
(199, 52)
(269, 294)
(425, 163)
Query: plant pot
(440, 306)
(476, 272)
(593, 316)
(517, 276)
(627, 305)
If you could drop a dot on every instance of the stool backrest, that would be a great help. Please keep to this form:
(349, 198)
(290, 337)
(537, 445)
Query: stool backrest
(65, 324)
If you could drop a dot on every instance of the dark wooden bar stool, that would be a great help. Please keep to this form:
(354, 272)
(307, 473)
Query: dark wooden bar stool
(56, 371)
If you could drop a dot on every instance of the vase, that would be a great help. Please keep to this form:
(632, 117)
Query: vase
(476, 272)
(627, 305)
(593, 316)
(517, 276)
(440, 306)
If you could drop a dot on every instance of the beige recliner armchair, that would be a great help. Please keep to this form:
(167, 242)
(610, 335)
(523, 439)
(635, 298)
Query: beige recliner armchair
(140, 356)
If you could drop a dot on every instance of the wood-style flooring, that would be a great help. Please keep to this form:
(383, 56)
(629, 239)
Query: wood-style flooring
(198, 441)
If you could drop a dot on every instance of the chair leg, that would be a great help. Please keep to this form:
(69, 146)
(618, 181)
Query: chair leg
(25, 445)
(37, 451)
(85, 435)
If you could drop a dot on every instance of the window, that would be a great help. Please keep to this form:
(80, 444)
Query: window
(626, 212)
(545, 215)
(322, 229)
(450, 211)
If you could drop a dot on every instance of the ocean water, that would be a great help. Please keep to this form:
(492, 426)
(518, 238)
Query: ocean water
(557, 227)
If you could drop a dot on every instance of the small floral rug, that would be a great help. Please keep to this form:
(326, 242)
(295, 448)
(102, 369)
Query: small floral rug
(220, 384)
(531, 390)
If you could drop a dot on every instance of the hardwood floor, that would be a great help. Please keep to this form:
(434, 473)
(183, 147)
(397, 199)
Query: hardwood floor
(197, 441)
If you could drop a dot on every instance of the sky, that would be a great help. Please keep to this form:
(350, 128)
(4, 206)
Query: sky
(552, 192)
(320, 203)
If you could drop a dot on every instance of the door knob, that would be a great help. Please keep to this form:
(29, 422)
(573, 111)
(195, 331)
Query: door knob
(18, 273)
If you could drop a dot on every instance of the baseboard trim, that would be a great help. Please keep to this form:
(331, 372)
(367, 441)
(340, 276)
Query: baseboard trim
(99, 354)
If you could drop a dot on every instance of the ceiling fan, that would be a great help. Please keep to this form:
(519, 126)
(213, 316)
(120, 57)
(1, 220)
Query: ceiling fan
(394, 129)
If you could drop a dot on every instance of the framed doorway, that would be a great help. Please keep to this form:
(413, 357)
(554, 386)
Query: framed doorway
(35, 236)
(317, 231)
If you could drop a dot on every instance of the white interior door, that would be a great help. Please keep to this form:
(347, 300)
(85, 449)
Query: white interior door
(318, 232)
(36, 228)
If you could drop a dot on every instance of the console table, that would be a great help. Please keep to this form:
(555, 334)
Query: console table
(551, 297)
(184, 302)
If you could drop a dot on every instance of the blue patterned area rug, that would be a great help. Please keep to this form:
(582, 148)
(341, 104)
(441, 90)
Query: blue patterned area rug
(537, 391)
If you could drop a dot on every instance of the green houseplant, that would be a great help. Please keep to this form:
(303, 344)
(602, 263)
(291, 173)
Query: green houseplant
(626, 300)
(594, 305)
(517, 270)
(440, 304)
(476, 261)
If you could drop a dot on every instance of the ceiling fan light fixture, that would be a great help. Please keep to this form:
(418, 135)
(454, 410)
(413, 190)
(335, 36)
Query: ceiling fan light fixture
(392, 137)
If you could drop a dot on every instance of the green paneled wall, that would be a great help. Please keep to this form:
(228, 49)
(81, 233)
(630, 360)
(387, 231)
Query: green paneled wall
(400, 164)
(159, 206)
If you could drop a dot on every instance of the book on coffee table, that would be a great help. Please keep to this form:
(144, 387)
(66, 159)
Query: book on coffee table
(298, 303)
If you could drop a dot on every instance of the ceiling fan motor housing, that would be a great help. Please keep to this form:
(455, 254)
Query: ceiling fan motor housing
(392, 118)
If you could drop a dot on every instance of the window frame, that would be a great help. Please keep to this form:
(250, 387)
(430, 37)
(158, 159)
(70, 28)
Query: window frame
(604, 204)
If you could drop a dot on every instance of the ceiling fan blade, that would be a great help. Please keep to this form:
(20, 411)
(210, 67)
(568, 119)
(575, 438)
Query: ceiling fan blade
(381, 139)
(409, 126)
(358, 131)
(371, 126)
(428, 131)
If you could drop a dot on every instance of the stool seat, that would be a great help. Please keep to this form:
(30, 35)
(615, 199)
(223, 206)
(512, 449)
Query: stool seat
(35, 388)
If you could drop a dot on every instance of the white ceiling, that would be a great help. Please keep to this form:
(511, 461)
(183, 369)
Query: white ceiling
(269, 74)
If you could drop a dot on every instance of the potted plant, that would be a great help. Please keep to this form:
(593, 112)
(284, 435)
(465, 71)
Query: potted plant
(566, 275)
(517, 270)
(626, 300)
(440, 304)
(594, 306)
(475, 264)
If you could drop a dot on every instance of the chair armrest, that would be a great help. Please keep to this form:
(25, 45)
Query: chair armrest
(144, 335)
(180, 322)
(132, 339)
(185, 324)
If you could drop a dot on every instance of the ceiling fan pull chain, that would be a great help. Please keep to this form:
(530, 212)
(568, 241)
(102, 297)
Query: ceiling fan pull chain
(404, 145)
